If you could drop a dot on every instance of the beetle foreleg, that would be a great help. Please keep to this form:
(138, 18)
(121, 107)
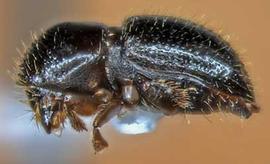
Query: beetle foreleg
(75, 121)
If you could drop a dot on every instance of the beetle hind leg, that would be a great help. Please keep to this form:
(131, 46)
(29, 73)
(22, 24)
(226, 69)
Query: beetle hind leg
(236, 105)
(181, 97)
(243, 109)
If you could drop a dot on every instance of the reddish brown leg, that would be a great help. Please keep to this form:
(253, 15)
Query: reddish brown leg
(106, 112)
(109, 107)
(237, 105)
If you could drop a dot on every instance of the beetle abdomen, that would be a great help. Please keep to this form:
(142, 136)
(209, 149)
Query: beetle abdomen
(174, 46)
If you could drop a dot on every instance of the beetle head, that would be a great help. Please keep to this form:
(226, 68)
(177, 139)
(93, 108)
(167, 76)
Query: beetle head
(68, 58)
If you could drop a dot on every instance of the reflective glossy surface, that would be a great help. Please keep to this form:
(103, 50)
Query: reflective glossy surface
(159, 63)
(227, 141)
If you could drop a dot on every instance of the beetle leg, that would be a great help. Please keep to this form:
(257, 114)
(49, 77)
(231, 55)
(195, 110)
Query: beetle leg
(236, 104)
(108, 108)
(180, 96)
(167, 96)
(242, 108)
(75, 121)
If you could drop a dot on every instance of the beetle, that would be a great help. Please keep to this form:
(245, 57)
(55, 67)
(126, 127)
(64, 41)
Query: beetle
(170, 65)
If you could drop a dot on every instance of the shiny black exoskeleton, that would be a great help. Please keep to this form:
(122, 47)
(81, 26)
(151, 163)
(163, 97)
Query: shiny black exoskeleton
(168, 64)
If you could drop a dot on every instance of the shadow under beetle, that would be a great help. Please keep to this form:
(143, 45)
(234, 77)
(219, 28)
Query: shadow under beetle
(170, 65)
